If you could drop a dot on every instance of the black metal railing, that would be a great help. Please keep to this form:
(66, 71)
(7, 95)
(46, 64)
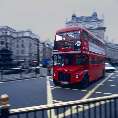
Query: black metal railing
(101, 107)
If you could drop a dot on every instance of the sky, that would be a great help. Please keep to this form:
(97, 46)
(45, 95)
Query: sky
(44, 17)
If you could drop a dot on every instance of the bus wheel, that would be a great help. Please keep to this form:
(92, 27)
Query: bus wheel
(85, 82)
(55, 83)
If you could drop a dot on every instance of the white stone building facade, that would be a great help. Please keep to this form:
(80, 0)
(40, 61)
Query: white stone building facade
(112, 52)
(23, 44)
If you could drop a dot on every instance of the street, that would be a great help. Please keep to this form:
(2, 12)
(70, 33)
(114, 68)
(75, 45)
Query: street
(38, 91)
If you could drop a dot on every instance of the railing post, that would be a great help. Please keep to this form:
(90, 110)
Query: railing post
(4, 99)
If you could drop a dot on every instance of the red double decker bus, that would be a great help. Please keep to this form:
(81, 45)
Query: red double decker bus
(78, 57)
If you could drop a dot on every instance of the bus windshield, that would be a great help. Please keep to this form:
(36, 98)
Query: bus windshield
(69, 59)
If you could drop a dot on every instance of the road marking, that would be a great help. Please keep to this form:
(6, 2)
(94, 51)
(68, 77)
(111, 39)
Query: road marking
(96, 87)
(84, 90)
(1, 82)
(113, 77)
(75, 89)
(107, 93)
(110, 80)
(98, 92)
(49, 98)
(112, 85)
(57, 101)
(101, 84)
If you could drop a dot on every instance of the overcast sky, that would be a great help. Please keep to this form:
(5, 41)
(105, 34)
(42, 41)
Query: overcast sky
(44, 17)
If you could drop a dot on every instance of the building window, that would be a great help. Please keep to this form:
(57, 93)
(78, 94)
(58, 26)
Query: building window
(22, 41)
(22, 45)
(17, 45)
(22, 51)
(17, 52)
(2, 42)
(17, 40)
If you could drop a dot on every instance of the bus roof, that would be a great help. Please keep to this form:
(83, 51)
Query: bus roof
(67, 29)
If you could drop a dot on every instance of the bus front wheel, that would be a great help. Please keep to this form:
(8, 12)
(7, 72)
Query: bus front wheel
(55, 83)
(85, 82)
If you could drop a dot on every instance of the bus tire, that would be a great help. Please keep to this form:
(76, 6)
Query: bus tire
(85, 82)
(55, 83)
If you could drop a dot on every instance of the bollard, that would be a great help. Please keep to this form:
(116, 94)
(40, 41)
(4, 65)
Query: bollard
(4, 100)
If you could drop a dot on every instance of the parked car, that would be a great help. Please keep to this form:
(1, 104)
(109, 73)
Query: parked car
(109, 67)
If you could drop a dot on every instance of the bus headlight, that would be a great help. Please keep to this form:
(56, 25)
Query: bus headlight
(54, 74)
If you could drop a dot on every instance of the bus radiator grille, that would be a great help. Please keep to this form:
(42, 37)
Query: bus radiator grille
(64, 76)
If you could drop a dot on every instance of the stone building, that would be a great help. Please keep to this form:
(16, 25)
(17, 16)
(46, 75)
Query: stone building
(23, 44)
(111, 52)
(27, 49)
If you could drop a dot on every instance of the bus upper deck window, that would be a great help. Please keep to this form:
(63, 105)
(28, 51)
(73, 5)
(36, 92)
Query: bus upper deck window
(58, 38)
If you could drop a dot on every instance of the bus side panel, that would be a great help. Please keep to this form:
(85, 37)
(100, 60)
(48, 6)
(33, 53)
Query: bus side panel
(92, 72)
(100, 68)
(91, 68)
(96, 66)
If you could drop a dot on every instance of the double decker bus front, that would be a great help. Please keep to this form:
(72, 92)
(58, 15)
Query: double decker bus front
(69, 68)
